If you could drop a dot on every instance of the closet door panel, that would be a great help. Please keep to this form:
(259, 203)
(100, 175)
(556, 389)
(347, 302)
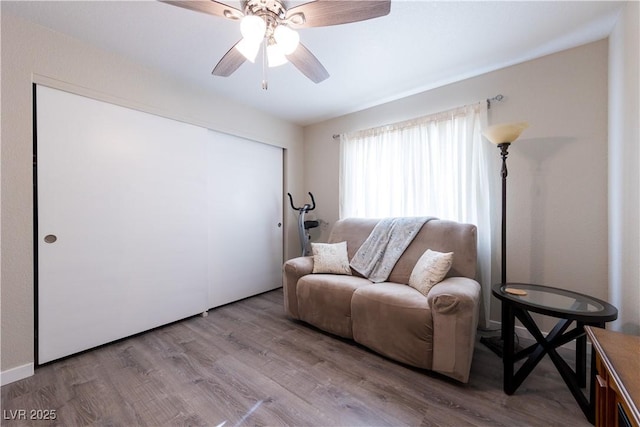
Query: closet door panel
(245, 214)
(124, 194)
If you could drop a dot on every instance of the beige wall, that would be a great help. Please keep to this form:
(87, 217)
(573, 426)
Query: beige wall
(624, 173)
(33, 54)
(557, 185)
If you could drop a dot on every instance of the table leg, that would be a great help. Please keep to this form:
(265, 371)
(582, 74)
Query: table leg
(544, 344)
(550, 343)
(508, 330)
(581, 356)
(503, 315)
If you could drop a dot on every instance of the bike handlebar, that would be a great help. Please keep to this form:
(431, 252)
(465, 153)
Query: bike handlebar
(306, 207)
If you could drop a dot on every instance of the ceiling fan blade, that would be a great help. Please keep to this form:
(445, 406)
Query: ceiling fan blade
(322, 13)
(210, 7)
(229, 63)
(308, 64)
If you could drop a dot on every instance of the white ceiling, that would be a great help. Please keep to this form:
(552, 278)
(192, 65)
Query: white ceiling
(418, 46)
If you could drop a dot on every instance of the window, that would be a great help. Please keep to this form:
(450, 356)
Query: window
(431, 166)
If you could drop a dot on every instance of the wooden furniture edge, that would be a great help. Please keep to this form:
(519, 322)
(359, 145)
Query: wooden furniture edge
(624, 394)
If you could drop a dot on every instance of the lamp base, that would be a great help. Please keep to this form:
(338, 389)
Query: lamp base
(496, 344)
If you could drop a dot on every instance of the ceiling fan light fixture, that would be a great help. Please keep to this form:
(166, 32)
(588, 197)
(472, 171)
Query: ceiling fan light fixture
(253, 28)
(275, 55)
(249, 49)
(260, 19)
(287, 39)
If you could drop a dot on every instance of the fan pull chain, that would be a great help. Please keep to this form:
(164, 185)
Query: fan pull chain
(265, 84)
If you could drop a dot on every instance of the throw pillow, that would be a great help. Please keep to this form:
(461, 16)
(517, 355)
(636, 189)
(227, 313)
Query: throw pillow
(430, 269)
(330, 258)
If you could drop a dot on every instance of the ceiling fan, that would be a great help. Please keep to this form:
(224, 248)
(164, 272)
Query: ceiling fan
(271, 24)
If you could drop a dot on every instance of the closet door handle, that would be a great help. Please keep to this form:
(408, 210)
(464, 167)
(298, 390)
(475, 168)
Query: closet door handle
(50, 238)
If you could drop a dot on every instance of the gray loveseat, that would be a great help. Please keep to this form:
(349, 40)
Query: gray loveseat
(435, 332)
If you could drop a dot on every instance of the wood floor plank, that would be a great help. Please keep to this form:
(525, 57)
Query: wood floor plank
(246, 363)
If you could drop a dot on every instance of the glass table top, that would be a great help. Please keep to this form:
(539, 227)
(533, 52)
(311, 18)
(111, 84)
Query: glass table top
(549, 298)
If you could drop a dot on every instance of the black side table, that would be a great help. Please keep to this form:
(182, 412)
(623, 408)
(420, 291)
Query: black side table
(566, 305)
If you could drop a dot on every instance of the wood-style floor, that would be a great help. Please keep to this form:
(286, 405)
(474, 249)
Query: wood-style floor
(247, 364)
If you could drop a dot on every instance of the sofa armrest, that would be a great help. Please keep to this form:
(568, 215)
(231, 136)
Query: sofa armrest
(455, 304)
(293, 270)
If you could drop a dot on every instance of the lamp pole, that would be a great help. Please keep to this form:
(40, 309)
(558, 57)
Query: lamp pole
(502, 135)
(504, 147)
(504, 152)
(496, 343)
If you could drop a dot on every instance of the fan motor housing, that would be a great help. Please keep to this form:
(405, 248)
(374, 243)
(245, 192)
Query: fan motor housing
(275, 8)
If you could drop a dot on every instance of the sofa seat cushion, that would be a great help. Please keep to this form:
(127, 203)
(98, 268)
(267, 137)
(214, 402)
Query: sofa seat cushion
(324, 300)
(394, 320)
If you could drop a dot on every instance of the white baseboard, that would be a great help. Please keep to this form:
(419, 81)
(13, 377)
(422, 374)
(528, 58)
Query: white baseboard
(16, 374)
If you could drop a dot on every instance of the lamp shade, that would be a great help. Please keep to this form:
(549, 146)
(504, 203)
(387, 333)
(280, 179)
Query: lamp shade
(505, 132)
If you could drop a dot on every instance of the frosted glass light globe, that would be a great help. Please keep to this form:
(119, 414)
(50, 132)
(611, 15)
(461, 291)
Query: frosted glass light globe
(249, 49)
(253, 28)
(287, 39)
(275, 56)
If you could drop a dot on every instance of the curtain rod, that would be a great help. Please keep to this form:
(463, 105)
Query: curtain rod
(499, 97)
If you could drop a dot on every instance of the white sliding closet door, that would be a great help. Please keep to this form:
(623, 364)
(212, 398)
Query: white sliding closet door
(123, 192)
(246, 240)
(136, 225)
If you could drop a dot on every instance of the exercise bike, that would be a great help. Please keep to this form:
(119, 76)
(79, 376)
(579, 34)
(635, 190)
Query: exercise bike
(305, 226)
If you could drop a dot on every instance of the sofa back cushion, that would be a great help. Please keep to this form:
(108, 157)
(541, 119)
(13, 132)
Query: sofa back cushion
(437, 235)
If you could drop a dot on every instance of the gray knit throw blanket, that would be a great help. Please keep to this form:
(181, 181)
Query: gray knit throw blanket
(385, 245)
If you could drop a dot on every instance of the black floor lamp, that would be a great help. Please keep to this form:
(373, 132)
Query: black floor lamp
(502, 135)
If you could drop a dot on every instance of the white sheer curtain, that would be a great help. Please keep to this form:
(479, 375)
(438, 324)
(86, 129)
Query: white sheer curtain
(435, 165)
